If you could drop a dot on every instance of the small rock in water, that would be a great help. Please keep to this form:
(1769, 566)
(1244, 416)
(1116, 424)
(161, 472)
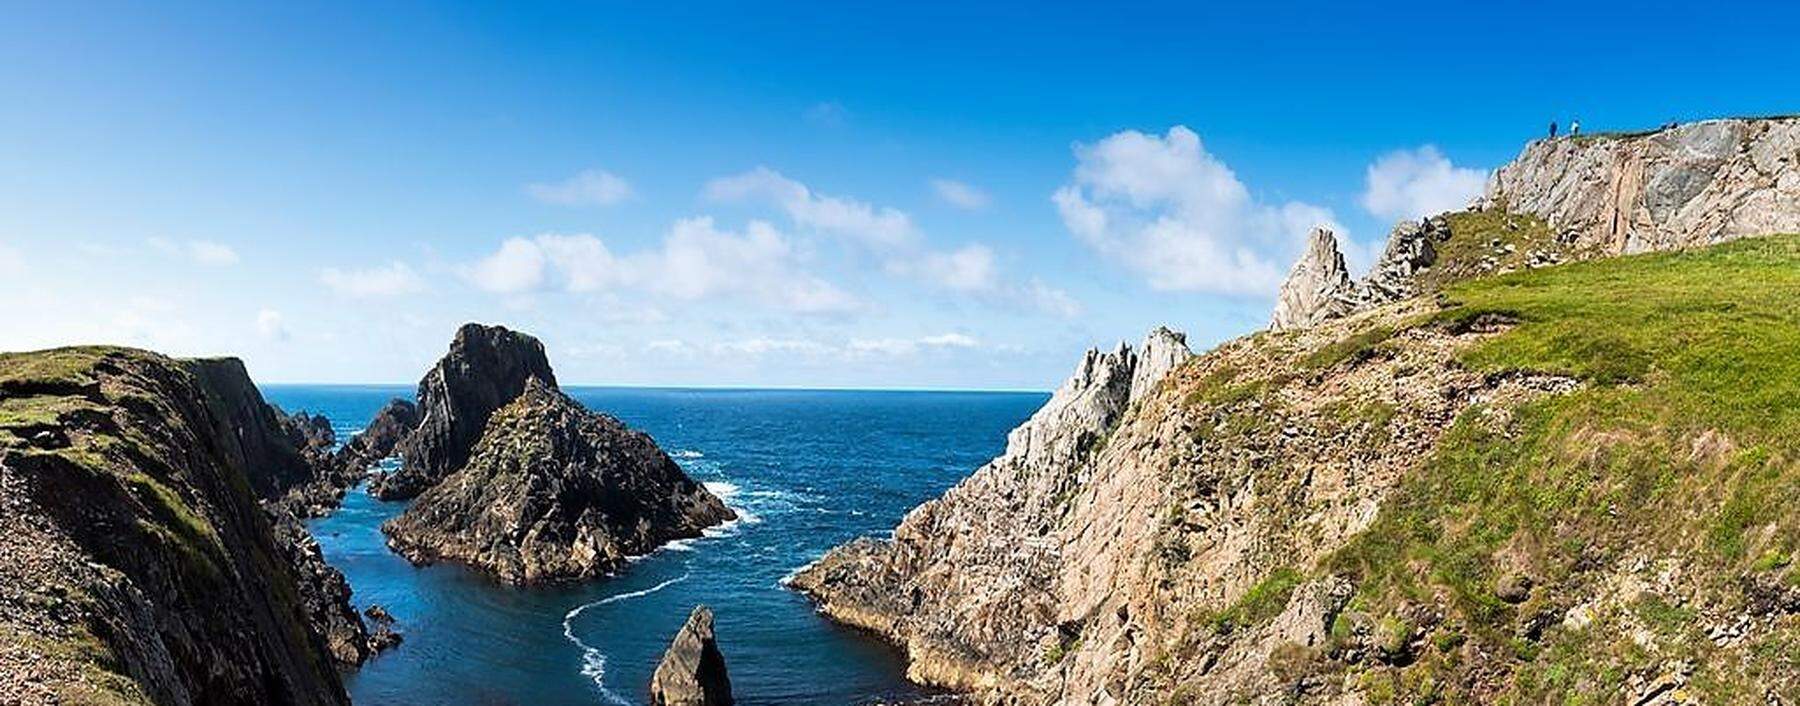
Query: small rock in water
(692, 672)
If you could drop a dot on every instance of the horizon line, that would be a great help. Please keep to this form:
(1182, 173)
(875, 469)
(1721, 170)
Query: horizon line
(722, 388)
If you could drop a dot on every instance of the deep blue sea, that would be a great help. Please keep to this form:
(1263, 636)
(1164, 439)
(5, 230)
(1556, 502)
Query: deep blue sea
(806, 470)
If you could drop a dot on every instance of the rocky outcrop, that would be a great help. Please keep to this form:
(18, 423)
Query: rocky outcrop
(381, 438)
(324, 593)
(1573, 198)
(1317, 288)
(1680, 186)
(968, 583)
(137, 565)
(692, 671)
(1081, 567)
(486, 368)
(553, 491)
(310, 433)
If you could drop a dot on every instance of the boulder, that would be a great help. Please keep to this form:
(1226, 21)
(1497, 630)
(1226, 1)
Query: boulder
(486, 367)
(692, 671)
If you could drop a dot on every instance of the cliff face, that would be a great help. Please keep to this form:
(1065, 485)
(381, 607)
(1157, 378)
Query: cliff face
(137, 564)
(487, 367)
(968, 584)
(1538, 483)
(1691, 184)
(553, 491)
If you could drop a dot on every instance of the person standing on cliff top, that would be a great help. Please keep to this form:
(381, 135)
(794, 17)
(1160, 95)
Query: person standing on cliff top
(1574, 127)
(1553, 129)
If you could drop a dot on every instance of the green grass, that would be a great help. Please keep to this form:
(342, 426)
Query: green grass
(1672, 348)
(1260, 604)
(1477, 237)
(1357, 348)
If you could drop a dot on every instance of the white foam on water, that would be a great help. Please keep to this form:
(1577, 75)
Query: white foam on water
(687, 453)
(593, 661)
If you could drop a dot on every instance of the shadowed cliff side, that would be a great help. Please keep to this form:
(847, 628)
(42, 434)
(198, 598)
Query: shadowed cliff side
(137, 565)
(486, 367)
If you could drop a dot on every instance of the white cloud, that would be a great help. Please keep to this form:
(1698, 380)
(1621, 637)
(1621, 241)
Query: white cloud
(888, 234)
(879, 228)
(269, 325)
(1051, 300)
(966, 269)
(959, 194)
(593, 187)
(910, 346)
(696, 260)
(204, 252)
(1413, 184)
(851, 350)
(394, 279)
(699, 261)
(826, 114)
(516, 267)
(1165, 207)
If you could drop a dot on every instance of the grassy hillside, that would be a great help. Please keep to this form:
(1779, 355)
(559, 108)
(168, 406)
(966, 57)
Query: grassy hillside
(1680, 453)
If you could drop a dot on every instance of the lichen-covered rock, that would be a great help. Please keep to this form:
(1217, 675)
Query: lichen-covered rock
(553, 491)
(1681, 186)
(692, 671)
(136, 565)
(486, 368)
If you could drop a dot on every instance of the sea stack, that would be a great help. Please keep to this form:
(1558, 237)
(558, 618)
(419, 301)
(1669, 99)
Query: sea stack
(552, 491)
(692, 672)
(487, 367)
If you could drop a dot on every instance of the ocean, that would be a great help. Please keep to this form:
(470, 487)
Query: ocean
(805, 470)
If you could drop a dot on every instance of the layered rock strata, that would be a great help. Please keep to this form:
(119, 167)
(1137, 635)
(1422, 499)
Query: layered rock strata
(486, 367)
(1680, 186)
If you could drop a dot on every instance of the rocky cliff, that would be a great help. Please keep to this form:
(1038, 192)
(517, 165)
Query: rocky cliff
(1538, 484)
(968, 584)
(486, 367)
(692, 671)
(1568, 199)
(137, 565)
(1680, 186)
(553, 491)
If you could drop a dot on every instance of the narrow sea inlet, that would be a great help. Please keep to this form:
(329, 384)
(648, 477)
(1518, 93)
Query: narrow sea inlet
(805, 469)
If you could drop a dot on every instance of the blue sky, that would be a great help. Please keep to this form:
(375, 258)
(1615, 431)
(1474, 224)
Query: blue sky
(962, 195)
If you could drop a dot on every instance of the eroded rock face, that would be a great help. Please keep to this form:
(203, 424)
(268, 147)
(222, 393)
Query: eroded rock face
(136, 564)
(1317, 288)
(1071, 573)
(553, 491)
(1681, 186)
(968, 584)
(486, 368)
(692, 671)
